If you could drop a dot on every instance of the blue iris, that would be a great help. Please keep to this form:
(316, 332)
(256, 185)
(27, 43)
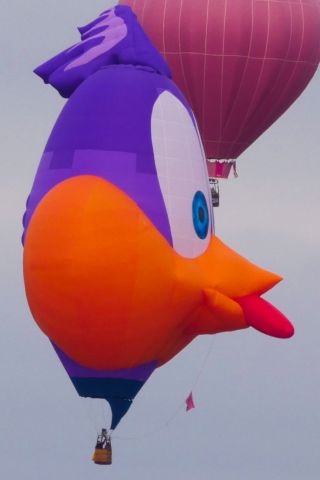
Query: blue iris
(200, 215)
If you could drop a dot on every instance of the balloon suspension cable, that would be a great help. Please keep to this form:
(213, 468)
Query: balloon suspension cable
(87, 407)
(104, 416)
(90, 409)
(181, 406)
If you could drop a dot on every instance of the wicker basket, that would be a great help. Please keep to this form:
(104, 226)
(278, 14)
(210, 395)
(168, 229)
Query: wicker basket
(102, 456)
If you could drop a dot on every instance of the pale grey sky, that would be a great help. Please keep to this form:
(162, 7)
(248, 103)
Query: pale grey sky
(257, 413)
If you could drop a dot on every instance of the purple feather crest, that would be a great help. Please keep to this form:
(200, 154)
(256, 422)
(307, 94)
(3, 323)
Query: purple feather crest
(114, 38)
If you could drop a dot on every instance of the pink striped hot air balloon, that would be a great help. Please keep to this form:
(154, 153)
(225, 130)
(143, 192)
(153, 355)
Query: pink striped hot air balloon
(240, 63)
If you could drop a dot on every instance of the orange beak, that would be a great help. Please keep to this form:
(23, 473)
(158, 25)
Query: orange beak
(110, 291)
(232, 291)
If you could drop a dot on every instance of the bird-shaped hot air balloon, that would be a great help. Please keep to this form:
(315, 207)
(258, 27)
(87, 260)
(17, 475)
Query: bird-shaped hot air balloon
(122, 266)
(240, 63)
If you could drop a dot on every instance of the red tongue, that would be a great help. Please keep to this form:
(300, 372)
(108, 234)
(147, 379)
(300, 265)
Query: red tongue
(264, 317)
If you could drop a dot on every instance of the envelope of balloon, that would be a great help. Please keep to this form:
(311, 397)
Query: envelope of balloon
(122, 265)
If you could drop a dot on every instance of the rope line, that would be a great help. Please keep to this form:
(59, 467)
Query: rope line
(180, 408)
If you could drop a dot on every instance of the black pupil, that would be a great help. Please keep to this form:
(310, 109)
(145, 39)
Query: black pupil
(201, 214)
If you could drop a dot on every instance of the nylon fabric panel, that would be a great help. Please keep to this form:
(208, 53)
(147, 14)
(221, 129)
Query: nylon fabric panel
(93, 279)
(181, 169)
(110, 291)
(240, 63)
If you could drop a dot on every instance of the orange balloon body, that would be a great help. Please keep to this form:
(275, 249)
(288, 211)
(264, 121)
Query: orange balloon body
(110, 291)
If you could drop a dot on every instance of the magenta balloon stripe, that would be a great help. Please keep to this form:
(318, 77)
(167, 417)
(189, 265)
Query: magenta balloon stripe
(255, 94)
(205, 65)
(236, 94)
(278, 104)
(187, 90)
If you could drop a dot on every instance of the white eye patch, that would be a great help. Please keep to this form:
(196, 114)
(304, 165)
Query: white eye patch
(183, 176)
